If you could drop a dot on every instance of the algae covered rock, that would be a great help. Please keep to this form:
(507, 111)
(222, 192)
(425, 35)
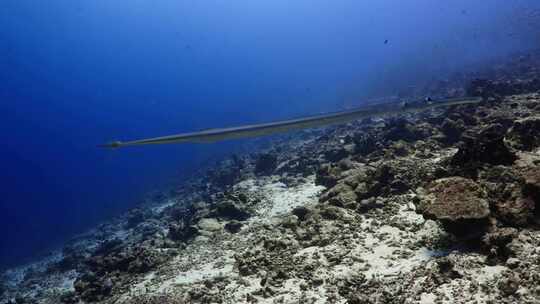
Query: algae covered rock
(180, 231)
(525, 133)
(341, 195)
(512, 200)
(495, 243)
(460, 204)
(365, 143)
(517, 210)
(266, 163)
(69, 297)
(113, 269)
(301, 212)
(532, 187)
(92, 288)
(336, 154)
(509, 285)
(230, 210)
(532, 182)
(485, 146)
(328, 175)
(452, 130)
(401, 129)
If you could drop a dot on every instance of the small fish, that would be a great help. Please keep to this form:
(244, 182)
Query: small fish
(213, 135)
(386, 41)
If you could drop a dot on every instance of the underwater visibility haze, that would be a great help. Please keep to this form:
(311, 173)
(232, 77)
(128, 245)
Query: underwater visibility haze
(75, 74)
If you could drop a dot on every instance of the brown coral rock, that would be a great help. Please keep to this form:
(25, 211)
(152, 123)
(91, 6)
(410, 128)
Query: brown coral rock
(459, 203)
(516, 212)
(532, 177)
(532, 187)
(485, 146)
(525, 133)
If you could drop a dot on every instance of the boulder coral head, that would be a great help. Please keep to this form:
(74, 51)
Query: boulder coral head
(460, 204)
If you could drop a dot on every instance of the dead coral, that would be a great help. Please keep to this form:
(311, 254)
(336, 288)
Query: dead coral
(401, 129)
(180, 231)
(459, 203)
(266, 163)
(226, 173)
(230, 210)
(114, 266)
(328, 175)
(452, 130)
(479, 148)
(495, 244)
(525, 133)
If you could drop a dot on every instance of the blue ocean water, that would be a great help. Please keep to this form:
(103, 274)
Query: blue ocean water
(74, 74)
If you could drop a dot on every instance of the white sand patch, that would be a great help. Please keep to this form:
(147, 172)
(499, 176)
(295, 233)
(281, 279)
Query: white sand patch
(427, 298)
(200, 269)
(379, 259)
(206, 271)
(286, 199)
(488, 273)
(280, 199)
(200, 265)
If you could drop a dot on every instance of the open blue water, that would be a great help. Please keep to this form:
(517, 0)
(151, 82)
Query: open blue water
(74, 74)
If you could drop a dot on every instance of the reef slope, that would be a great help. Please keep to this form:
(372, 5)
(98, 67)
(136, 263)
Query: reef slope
(441, 206)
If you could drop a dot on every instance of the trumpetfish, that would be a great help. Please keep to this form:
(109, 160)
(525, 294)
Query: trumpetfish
(254, 130)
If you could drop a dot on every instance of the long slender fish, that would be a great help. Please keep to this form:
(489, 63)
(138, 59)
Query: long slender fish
(213, 135)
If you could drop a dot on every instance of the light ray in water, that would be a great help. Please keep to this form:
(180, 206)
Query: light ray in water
(213, 135)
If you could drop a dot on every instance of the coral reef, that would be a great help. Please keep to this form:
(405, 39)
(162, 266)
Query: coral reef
(441, 206)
